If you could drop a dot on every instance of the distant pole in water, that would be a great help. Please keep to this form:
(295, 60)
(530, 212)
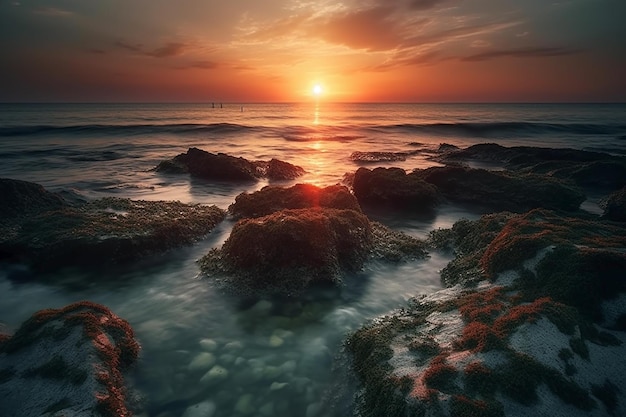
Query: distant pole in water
(213, 105)
(242, 109)
(221, 106)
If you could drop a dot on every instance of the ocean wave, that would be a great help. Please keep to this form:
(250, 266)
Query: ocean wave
(130, 129)
(483, 129)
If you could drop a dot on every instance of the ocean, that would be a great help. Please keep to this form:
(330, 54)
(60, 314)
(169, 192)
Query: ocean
(91, 151)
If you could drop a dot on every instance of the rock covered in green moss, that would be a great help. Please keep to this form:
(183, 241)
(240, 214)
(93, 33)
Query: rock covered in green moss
(585, 168)
(67, 361)
(21, 198)
(287, 251)
(290, 249)
(102, 231)
(393, 187)
(223, 167)
(500, 190)
(542, 336)
(271, 199)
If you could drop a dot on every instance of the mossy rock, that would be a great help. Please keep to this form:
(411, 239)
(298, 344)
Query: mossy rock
(585, 168)
(68, 359)
(271, 199)
(288, 250)
(101, 232)
(500, 190)
(21, 198)
(393, 187)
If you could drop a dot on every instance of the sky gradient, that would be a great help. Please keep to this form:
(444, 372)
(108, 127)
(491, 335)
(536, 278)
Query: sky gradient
(271, 50)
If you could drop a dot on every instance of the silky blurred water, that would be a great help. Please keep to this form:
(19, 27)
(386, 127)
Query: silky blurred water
(217, 355)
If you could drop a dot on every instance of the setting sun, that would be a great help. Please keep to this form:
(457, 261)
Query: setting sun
(317, 89)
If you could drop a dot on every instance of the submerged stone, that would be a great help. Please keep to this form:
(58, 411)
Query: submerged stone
(105, 231)
(203, 409)
(68, 361)
(203, 361)
(223, 167)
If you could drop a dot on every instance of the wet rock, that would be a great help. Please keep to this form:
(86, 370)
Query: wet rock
(375, 157)
(203, 409)
(615, 206)
(244, 404)
(216, 374)
(110, 230)
(527, 331)
(280, 170)
(271, 199)
(208, 345)
(288, 250)
(223, 167)
(500, 190)
(22, 198)
(68, 361)
(585, 168)
(392, 187)
(202, 362)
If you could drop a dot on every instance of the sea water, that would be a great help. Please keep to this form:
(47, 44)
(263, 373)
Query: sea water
(208, 353)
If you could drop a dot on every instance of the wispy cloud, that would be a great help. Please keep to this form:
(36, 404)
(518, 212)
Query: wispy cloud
(171, 49)
(533, 52)
(168, 50)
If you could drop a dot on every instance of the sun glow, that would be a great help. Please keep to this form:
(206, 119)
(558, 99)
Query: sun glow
(317, 90)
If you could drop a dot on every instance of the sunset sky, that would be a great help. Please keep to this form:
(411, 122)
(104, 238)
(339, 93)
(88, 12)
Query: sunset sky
(278, 50)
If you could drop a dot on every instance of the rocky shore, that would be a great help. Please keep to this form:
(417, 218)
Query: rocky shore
(44, 230)
(532, 318)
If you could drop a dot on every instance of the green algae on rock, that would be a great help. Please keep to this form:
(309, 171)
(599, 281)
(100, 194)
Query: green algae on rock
(271, 199)
(98, 232)
(289, 250)
(525, 326)
(393, 187)
(69, 361)
(585, 168)
(501, 190)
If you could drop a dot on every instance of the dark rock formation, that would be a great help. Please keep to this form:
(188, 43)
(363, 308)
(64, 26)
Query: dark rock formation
(392, 187)
(585, 168)
(289, 250)
(223, 167)
(69, 362)
(501, 190)
(271, 199)
(100, 232)
(542, 333)
(615, 206)
(19, 198)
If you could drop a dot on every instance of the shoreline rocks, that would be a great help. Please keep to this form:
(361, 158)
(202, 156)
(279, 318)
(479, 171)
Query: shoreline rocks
(52, 233)
(585, 168)
(532, 322)
(67, 361)
(224, 167)
(288, 239)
